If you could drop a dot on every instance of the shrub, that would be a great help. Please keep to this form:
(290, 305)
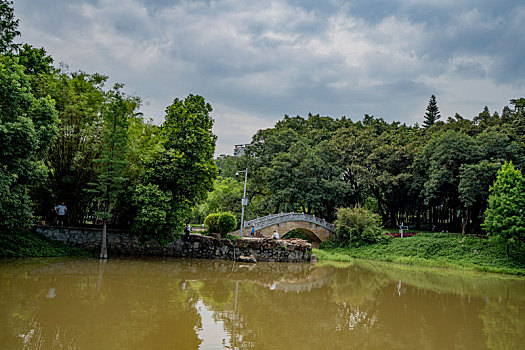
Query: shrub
(221, 223)
(357, 225)
(211, 222)
(227, 223)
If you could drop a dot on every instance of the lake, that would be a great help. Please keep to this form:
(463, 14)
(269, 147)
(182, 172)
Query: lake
(82, 303)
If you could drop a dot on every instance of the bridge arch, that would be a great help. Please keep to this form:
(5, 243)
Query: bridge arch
(319, 230)
(312, 236)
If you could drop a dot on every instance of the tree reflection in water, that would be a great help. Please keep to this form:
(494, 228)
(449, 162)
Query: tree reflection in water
(187, 304)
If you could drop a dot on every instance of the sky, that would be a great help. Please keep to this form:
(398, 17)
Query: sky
(255, 61)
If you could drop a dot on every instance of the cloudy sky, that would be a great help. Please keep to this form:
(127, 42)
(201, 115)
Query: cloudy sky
(255, 61)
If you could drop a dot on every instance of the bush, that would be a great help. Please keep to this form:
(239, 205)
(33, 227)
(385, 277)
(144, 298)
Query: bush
(227, 223)
(357, 225)
(221, 223)
(212, 222)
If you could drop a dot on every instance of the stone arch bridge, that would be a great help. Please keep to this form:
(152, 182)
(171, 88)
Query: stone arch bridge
(317, 229)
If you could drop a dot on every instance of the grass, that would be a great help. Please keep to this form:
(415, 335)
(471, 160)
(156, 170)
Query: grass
(435, 249)
(25, 244)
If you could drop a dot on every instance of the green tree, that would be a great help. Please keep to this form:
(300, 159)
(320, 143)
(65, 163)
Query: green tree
(113, 158)
(35, 60)
(225, 197)
(8, 27)
(473, 189)
(432, 114)
(27, 129)
(79, 99)
(443, 156)
(505, 216)
(152, 216)
(184, 168)
(519, 117)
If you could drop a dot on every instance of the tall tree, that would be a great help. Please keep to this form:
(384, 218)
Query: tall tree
(27, 129)
(432, 114)
(504, 215)
(443, 156)
(184, 169)
(8, 27)
(113, 158)
(79, 98)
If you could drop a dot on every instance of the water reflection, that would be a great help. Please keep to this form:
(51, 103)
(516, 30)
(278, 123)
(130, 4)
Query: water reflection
(190, 304)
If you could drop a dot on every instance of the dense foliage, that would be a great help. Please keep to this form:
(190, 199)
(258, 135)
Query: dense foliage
(357, 225)
(504, 215)
(67, 138)
(28, 127)
(435, 178)
(222, 222)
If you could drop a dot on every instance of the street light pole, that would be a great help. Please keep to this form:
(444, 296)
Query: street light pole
(244, 199)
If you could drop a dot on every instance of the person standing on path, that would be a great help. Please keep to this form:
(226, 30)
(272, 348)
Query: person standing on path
(61, 211)
(187, 230)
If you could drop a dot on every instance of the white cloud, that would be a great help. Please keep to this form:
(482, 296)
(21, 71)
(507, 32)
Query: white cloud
(255, 61)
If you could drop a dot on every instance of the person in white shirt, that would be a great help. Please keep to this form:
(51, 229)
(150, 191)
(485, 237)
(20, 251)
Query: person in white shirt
(187, 230)
(275, 235)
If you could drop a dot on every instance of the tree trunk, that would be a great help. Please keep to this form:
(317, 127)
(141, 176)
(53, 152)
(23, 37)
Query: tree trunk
(103, 248)
(465, 221)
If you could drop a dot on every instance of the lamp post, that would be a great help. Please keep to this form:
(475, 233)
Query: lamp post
(244, 199)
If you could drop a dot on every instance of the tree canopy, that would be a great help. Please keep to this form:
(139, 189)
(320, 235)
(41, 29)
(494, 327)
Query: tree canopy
(505, 216)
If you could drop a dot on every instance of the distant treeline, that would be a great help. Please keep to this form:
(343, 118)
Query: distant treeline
(436, 176)
(65, 137)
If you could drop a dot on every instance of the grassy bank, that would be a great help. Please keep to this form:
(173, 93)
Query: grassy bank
(25, 244)
(435, 249)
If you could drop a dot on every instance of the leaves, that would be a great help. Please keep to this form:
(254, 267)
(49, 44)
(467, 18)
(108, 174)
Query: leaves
(504, 215)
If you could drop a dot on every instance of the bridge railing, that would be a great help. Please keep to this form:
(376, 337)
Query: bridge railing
(273, 219)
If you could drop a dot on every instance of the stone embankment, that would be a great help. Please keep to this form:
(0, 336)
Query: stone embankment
(194, 246)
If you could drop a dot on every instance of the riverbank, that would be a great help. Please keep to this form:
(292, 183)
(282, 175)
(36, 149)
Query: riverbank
(28, 244)
(435, 249)
(124, 243)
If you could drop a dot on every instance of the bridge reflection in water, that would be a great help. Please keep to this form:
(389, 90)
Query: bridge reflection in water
(208, 304)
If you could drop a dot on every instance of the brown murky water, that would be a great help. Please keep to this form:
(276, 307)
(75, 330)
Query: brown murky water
(190, 304)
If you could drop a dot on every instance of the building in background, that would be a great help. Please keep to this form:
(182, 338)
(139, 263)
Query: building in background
(238, 150)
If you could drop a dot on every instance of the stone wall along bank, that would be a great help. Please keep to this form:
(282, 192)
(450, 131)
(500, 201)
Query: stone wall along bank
(194, 246)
